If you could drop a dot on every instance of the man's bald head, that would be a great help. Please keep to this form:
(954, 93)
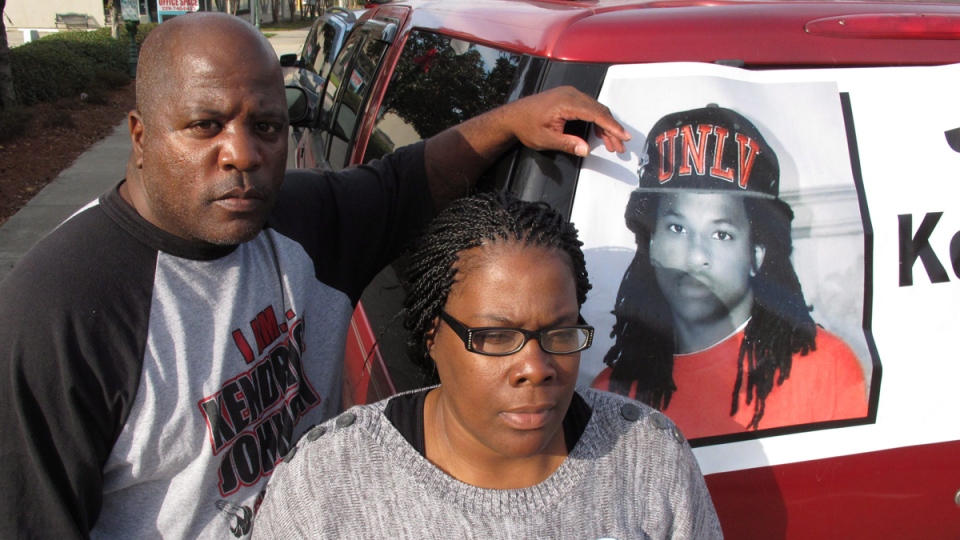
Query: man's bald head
(210, 133)
(182, 46)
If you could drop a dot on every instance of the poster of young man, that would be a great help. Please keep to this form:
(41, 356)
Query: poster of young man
(726, 251)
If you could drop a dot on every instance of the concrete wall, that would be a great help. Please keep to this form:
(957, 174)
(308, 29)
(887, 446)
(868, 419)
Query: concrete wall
(19, 37)
(43, 14)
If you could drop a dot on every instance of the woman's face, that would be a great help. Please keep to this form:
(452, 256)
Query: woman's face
(506, 406)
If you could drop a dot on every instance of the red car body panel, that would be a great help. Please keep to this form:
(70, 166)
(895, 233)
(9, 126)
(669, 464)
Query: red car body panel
(776, 34)
(364, 380)
(895, 493)
(898, 493)
(687, 31)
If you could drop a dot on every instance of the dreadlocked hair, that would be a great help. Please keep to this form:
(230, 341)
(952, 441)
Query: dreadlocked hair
(468, 223)
(780, 325)
(642, 352)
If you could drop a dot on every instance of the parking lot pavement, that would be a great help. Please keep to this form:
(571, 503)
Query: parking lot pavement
(95, 171)
(289, 41)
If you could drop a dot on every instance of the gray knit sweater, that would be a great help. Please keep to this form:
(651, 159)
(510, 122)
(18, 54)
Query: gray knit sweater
(631, 475)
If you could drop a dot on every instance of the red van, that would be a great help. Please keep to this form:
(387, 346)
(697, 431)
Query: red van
(856, 103)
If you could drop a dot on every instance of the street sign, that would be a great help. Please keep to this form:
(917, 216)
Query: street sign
(130, 10)
(178, 5)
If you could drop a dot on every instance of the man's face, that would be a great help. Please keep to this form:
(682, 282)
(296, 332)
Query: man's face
(702, 255)
(214, 146)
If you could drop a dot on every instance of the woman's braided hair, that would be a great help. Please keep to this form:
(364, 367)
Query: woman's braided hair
(481, 220)
(780, 323)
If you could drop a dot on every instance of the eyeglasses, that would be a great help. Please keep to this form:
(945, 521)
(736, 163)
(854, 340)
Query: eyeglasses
(497, 341)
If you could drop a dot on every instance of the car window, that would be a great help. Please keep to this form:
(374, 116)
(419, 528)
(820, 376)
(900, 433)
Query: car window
(356, 86)
(336, 77)
(309, 48)
(322, 60)
(437, 83)
(334, 81)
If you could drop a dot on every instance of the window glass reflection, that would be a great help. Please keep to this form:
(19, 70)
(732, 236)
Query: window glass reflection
(439, 82)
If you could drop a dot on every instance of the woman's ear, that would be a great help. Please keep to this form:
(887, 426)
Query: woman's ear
(431, 334)
(758, 253)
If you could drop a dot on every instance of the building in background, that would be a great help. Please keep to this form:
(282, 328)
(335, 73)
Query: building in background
(27, 20)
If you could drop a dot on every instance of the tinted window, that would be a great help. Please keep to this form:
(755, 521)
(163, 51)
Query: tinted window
(337, 75)
(355, 89)
(439, 82)
(322, 60)
(309, 48)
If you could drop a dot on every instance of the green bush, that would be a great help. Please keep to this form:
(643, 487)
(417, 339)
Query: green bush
(112, 79)
(142, 30)
(45, 70)
(96, 96)
(68, 63)
(102, 50)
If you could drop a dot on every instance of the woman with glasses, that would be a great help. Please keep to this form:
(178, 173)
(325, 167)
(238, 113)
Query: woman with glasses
(504, 446)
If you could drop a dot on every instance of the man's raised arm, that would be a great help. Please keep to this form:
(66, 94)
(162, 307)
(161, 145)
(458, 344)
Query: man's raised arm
(456, 157)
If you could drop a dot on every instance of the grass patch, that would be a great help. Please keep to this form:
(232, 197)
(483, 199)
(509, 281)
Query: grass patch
(286, 25)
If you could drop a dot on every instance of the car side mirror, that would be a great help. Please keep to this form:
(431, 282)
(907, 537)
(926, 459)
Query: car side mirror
(288, 60)
(297, 105)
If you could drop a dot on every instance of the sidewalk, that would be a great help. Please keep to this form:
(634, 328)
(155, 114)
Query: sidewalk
(94, 172)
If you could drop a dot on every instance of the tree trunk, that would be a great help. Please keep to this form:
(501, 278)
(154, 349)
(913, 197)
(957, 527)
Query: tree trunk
(115, 16)
(8, 96)
(292, 4)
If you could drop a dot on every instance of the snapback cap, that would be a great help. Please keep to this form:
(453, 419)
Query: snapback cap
(711, 149)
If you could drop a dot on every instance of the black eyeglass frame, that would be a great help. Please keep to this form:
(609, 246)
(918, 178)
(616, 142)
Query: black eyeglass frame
(465, 333)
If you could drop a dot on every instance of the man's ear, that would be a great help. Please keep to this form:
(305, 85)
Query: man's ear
(758, 253)
(135, 123)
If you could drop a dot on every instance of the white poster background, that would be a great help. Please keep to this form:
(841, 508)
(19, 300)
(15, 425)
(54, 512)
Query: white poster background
(900, 116)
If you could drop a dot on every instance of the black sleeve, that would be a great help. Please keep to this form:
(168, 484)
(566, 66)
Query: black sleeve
(355, 222)
(73, 312)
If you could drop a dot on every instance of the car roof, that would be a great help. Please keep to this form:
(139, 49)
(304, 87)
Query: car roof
(762, 34)
(345, 16)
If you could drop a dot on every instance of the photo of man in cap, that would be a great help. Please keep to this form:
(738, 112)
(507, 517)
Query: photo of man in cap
(711, 322)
